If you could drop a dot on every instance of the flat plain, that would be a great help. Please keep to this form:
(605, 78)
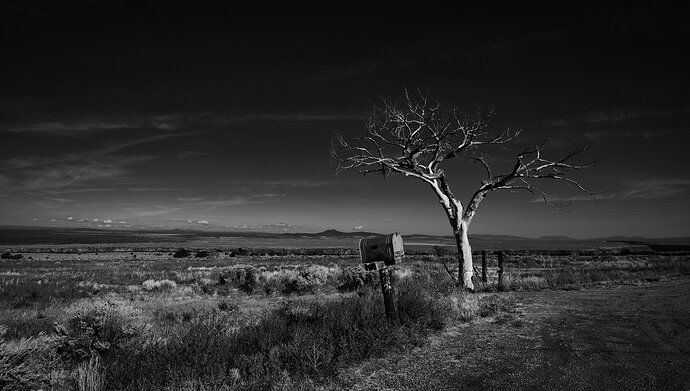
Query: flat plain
(102, 311)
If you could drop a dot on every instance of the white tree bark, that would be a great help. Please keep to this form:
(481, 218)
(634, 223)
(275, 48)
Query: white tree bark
(465, 256)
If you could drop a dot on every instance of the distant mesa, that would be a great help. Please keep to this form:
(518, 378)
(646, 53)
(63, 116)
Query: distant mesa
(336, 233)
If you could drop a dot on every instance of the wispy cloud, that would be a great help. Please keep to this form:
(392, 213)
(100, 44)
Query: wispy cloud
(190, 199)
(164, 126)
(151, 189)
(252, 199)
(289, 117)
(297, 183)
(94, 170)
(71, 173)
(140, 141)
(85, 125)
(603, 117)
(653, 188)
(633, 189)
(158, 211)
(615, 116)
(600, 134)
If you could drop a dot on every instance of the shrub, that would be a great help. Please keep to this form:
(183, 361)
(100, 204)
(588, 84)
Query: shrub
(244, 277)
(420, 306)
(227, 306)
(161, 285)
(182, 253)
(442, 251)
(240, 251)
(99, 327)
(304, 280)
(466, 306)
(201, 254)
(355, 277)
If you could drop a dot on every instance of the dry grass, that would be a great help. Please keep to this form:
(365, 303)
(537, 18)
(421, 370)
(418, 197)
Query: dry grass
(204, 307)
(89, 375)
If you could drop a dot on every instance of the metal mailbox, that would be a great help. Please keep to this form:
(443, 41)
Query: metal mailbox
(386, 249)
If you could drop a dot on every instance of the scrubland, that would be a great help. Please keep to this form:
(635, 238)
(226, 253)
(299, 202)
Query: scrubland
(226, 319)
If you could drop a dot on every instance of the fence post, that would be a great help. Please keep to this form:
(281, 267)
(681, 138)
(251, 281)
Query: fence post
(388, 290)
(500, 267)
(483, 265)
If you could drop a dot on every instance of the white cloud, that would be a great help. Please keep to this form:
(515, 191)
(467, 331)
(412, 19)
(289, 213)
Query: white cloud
(359, 227)
(108, 221)
(202, 222)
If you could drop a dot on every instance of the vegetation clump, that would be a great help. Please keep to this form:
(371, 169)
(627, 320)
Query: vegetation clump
(299, 341)
(182, 253)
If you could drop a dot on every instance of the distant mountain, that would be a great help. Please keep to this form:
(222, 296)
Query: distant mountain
(329, 233)
(14, 235)
(555, 237)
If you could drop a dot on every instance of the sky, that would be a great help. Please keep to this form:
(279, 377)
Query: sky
(220, 117)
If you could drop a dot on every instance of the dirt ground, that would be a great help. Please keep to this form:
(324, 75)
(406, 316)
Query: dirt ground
(623, 338)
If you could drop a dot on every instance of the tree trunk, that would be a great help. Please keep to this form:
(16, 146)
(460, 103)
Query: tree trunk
(465, 269)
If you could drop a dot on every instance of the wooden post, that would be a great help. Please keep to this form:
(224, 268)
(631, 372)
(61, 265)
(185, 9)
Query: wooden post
(386, 275)
(483, 265)
(500, 267)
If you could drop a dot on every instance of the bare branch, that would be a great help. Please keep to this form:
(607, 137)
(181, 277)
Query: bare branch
(529, 168)
(414, 136)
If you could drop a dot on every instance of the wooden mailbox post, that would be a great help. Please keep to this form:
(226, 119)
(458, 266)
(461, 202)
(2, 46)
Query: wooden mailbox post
(378, 253)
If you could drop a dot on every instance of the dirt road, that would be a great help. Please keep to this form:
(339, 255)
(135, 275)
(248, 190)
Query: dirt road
(623, 338)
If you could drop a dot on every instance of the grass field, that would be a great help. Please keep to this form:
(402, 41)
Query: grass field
(221, 318)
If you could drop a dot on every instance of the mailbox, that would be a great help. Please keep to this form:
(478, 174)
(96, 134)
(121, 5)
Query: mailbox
(386, 249)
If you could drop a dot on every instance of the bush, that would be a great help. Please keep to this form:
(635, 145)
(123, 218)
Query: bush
(99, 327)
(201, 254)
(304, 280)
(466, 306)
(161, 285)
(240, 251)
(442, 251)
(182, 253)
(244, 277)
(355, 277)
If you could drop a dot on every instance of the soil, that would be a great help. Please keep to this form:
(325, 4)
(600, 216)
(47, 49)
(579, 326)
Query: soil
(630, 337)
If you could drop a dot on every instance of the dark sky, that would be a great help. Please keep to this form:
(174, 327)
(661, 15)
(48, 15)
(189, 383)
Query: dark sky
(127, 115)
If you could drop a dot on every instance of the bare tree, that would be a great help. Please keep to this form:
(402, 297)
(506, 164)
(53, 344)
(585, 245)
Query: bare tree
(416, 137)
